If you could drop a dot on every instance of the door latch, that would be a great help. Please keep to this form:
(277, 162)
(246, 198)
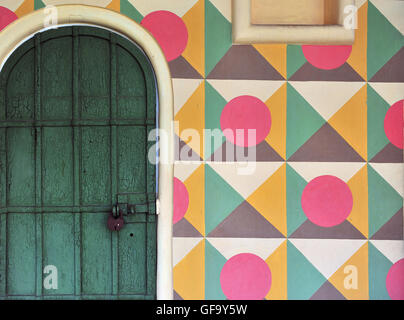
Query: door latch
(115, 219)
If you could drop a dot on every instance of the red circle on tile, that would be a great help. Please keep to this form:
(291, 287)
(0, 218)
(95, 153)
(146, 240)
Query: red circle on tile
(245, 277)
(169, 30)
(242, 114)
(394, 124)
(181, 200)
(395, 281)
(327, 57)
(327, 201)
(6, 17)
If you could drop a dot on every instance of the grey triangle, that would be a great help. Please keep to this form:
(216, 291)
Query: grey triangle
(245, 222)
(184, 229)
(327, 292)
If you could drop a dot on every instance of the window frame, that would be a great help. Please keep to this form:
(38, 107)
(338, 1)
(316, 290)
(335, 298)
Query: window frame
(244, 32)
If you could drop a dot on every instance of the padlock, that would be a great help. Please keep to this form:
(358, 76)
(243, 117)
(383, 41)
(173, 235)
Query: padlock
(115, 220)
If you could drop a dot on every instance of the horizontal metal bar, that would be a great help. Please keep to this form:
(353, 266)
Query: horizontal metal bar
(76, 123)
(55, 209)
(74, 209)
(78, 297)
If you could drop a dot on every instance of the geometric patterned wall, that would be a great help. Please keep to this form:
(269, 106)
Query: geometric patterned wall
(325, 202)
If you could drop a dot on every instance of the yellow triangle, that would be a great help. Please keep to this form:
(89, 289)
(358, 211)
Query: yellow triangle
(26, 7)
(194, 53)
(115, 5)
(277, 263)
(357, 264)
(195, 185)
(275, 54)
(189, 274)
(270, 199)
(359, 214)
(277, 136)
(191, 119)
(351, 122)
(358, 57)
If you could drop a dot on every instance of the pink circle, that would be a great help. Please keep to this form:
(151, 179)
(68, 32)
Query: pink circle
(181, 200)
(327, 57)
(327, 201)
(240, 115)
(245, 277)
(395, 281)
(394, 123)
(169, 30)
(6, 17)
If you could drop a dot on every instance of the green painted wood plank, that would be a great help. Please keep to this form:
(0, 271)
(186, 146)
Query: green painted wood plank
(151, 254)
(57, 79)
(77, 162)
(77, 254)
(20, 97)
(3, 95)
(75, 75)
(21, 173)
(96, 255)
(3, 254)
(21, 254)
(132, 259)
(151, 163)
(131, 86)
(131, 159)
(38, 164)
(94, 77)
(57, 166)
(113, 154)
(95, 163)
(3, 168)
(38, 253)
(59, 250)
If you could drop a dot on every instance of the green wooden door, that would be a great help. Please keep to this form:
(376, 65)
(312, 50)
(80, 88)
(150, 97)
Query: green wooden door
(76, 107)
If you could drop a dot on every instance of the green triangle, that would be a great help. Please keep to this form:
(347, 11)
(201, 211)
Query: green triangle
(303, 278)
(295, 59)
(218, 36)
(384, 201)
(38, 4)
(379, 266)
(220, 199)
(302, 121)
(214, 104)
(129, 10)
(214, 263)
(377, 109)
(294, 189)
(384, 40)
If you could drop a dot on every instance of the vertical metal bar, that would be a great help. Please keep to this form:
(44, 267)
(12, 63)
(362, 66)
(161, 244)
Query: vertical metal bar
(38, 168)
(3, 191)
(3, 215)
(3, 168)
(3, 85)
(76, 168)
(4, 222)
(114, 156)
(3, 254)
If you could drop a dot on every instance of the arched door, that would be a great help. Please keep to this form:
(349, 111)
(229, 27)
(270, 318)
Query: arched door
(76, 107)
